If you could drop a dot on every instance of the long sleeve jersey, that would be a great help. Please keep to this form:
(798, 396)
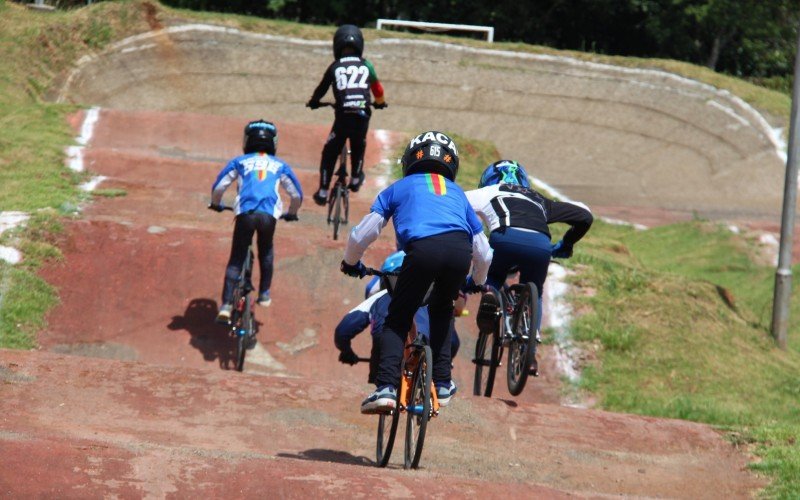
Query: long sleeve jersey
(510, 205)
(258, 176)
(351, 78)
(422, 205)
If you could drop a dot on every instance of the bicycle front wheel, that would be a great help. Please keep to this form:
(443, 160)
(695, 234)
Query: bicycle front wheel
(419, 407)
(483, 360)
(488, 348)
(522, 350)
(337, 211)
(387, 430)
(346, 203)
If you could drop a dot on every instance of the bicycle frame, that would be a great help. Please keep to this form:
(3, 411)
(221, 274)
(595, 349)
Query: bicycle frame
(409, 364)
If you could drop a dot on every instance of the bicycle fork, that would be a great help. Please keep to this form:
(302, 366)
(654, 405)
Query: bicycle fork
(403, 400)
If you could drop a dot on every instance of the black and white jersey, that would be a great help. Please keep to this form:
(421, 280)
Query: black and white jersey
(509, 205)
(350, 78)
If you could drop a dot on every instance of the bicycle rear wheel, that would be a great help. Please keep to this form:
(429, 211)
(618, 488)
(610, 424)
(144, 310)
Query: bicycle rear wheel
(337, 210)
(522, 350)
(387, 430)
(331, 204)
(419, 407)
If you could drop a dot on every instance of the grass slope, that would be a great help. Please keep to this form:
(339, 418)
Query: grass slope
(679, 318)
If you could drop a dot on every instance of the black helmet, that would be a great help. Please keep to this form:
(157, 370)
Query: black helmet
(348, 35)
(431, 152)
(260, 136)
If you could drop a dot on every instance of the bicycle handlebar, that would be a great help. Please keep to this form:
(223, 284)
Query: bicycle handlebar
(333, 105)
(211, 207)
(223, 208)
(377, 272)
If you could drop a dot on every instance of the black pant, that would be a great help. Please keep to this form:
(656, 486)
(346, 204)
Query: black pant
(444, 260)
(245, 226)
(346, 126)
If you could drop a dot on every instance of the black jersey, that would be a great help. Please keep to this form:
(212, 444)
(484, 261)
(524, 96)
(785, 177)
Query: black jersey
(351, 78)
(509, 205)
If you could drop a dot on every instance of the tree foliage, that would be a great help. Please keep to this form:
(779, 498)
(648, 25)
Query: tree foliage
(753, 38)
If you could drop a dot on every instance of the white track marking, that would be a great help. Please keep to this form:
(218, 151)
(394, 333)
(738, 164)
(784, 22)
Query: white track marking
(92, 184)
(558, 314)
(384, 177)
(75, 158)
(87, 128)
(10, 255)
(10, 220)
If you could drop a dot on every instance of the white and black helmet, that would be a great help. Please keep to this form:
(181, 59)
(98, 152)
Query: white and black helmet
(432, 152)
(260, 136)
(348, 35)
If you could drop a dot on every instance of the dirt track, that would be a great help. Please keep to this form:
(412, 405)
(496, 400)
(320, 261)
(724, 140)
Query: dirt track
(600, 134)
(141, 277)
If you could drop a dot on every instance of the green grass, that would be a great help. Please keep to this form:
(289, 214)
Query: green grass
(36, 48)
(681, 316)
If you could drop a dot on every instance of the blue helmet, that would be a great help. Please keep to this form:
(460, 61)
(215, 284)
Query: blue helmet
(504, 172)
(391, 264)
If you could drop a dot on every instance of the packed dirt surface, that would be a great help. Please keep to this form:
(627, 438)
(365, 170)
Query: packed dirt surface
(101, 428)
(165, 415)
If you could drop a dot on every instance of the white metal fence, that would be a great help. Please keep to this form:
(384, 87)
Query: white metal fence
(438, 27)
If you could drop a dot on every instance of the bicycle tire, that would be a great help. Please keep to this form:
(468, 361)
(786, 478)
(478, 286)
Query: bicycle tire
(337, 211)
(419, 408)
(330, 205)
(486, 363)
(497, 356)
(346, 203)
(243, 330)
(387, 430)
(241, 349)
(522, 350)
(482, 363)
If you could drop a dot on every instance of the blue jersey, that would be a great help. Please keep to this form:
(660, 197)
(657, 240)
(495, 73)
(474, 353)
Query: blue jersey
(259, 176)
(425, 205)
(372, 312)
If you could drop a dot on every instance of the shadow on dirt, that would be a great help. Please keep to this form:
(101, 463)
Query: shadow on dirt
(214, 341)
(323, 455)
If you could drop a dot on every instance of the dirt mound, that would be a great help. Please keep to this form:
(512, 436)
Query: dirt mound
(598, 133)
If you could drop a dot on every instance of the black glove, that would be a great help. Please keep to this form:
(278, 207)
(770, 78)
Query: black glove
(312, 104)
(356, 271)
(382, 105)
(216, 208)
(348, 357)
(471, 287)
(289, 217)
(561, 250)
